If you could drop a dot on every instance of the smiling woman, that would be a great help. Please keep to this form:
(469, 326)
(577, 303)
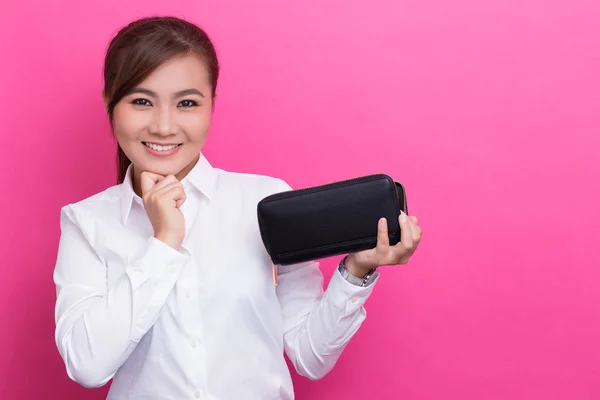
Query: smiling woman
(156, 74)
(164, 114)
(163, 282)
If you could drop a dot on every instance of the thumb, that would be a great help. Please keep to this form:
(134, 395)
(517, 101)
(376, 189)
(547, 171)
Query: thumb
(148, 180)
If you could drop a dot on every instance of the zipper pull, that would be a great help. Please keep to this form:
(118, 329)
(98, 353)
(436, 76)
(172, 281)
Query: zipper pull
(275, 277)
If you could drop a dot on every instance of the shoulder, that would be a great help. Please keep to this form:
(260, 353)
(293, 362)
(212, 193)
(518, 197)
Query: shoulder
(105, 205)
(252, 184)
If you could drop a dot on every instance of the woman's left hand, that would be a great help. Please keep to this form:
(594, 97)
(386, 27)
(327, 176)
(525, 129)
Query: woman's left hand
(360, 263)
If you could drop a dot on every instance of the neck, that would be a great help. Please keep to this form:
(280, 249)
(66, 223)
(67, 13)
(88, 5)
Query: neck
(137, 172)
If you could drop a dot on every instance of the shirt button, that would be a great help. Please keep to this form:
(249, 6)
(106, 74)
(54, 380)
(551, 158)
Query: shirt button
(354, 299)
(188, 293)
(197, 394)
(193, 343)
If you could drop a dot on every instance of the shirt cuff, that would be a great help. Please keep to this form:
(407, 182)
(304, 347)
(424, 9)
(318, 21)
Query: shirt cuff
(157, 261)
(346, 296)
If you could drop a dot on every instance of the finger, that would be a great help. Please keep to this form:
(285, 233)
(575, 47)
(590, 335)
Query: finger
(148, 180)
(413, 219)
(383, 240)
(167, 189)
(174, 192)
(168, 180)
(416, 232)
(167, 186)
(406, 231)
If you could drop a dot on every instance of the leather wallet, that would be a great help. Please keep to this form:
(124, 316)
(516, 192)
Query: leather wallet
(323, 221)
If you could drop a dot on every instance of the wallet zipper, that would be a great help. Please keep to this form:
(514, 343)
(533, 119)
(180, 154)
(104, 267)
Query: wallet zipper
(367, 178)
(275, 275)
(313, 189)
(403, 196)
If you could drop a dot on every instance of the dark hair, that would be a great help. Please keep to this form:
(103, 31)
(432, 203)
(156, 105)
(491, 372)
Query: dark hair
(141, 47)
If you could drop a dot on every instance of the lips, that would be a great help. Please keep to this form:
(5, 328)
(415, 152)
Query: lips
(161, 147)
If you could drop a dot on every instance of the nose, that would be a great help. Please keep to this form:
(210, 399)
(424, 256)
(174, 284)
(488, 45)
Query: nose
(162, 122)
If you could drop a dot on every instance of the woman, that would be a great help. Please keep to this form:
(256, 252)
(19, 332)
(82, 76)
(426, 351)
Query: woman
(163, 283)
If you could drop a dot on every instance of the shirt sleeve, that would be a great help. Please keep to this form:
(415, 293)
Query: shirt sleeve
(318, 324)
(97, 325)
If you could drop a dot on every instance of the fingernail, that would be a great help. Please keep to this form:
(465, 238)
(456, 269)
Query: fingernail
(403, 216)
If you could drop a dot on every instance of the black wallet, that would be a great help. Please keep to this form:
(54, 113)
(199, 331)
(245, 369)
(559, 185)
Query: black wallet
(336, 218)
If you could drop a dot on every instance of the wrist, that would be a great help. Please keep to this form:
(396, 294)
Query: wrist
(169, 240)
(355, 268)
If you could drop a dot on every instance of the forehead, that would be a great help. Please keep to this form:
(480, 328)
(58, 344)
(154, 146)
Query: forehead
(178, 73)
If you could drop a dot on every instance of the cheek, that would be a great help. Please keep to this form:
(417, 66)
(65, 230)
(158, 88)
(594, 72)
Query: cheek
(127, 124)
(196, 125)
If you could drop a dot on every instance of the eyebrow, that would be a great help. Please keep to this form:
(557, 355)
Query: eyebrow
(181, 93)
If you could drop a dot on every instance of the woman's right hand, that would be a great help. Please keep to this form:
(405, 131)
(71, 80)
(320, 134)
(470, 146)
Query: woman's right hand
(162, 198)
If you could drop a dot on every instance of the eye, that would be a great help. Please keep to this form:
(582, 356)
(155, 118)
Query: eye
(141, 102)
(187, 103)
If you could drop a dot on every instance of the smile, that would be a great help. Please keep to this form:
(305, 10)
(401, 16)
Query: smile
(161, 147)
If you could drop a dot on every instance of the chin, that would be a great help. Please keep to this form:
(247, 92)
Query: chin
(169, 167)
(160, 168)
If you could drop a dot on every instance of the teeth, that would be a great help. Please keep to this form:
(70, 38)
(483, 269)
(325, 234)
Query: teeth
(158, 147)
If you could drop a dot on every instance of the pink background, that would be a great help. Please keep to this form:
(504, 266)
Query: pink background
(488, 111)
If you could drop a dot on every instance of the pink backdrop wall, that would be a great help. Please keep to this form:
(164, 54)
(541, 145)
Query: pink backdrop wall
(486, 110)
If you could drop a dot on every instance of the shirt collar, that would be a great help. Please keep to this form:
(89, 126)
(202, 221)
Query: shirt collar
(202, 177)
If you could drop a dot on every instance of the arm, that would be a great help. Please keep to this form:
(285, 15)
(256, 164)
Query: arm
(97, 327)
(318, 324)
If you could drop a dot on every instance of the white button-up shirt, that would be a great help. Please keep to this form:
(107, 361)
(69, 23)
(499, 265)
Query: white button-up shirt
(203, 322)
